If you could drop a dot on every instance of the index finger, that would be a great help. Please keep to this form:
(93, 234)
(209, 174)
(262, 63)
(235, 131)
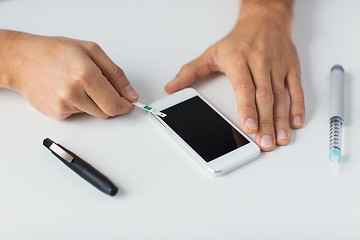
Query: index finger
(104, 95)
(239, 75)
(110, 70)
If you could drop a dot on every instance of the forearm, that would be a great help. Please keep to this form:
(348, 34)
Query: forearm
(277, 12)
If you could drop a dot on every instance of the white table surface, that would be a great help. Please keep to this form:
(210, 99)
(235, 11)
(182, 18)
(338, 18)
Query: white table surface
(289, 193)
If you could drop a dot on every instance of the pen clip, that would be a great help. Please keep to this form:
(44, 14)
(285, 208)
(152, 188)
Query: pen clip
(61, 152)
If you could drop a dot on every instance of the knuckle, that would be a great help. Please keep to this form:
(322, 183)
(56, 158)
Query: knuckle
(82, 75)
(186, 68)
(92, 46)
(300, 93)
(244, 86)
(60, 109)
(264, 93)
(298, 105)
(67, 94)
(295, 72)
(236, 63)
(247, 107)
(79, 73)
(117, 73)
(125, 109)
(281, 118)
(279, 93)
(235, 56)
(235, 59)
(117, 109)
(266, 123)
(112, 110)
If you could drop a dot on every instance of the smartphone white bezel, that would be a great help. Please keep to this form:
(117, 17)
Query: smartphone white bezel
(222, 164)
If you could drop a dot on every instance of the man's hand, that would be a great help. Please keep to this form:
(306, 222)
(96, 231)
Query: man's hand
(62, 76)
(260, 60)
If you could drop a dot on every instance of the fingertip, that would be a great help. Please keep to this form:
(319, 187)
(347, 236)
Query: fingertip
(127, 109)
(197, 68)
(266, 149)
(131, 108)
(249, 126)
(297, 122)
(178, 83)
(170, 87)
(283, 137)
(266, 143)
(130, 93)
(120, 107)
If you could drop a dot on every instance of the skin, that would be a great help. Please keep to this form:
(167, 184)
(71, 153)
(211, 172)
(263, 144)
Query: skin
(62, 76)
(261, 62)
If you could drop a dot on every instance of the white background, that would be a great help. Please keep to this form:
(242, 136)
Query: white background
(289, 193)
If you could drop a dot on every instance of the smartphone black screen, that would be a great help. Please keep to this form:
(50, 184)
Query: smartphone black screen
(203, 129)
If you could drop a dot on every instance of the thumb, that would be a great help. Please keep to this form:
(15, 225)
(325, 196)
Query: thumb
(197, 68)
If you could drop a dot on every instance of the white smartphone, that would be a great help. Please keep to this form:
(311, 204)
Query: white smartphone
(216, 143)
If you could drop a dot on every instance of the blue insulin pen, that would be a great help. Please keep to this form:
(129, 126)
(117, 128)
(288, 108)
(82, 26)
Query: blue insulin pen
(336, 112)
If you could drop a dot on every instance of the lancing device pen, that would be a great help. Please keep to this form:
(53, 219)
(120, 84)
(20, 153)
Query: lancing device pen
(336, 113)
(82, 168)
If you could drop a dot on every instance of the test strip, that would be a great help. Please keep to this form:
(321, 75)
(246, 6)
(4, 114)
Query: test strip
(149, 109)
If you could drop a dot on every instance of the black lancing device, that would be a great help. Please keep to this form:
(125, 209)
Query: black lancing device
(82, 168)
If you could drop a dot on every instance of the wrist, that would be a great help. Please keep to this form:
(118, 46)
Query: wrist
(271, 12)
(10, 42)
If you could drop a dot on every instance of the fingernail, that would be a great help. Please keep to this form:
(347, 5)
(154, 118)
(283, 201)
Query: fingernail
(130, 92)
(250, 123)
(281, 135)
(266, 141)
(297, 120)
